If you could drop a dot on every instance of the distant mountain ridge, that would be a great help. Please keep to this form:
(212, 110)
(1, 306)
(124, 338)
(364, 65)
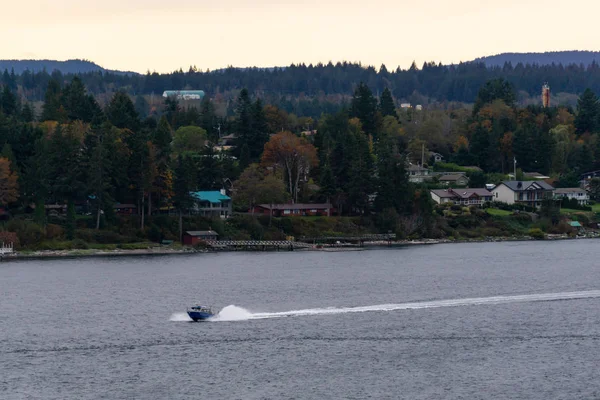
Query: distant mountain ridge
(547, 58)
(66, 67)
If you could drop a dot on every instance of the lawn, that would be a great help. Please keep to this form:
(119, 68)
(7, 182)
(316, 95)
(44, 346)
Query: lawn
(596, 207)
(498, 212)
(568, 211)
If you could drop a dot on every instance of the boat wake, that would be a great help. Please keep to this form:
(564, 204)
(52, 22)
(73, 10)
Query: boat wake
(235, 313)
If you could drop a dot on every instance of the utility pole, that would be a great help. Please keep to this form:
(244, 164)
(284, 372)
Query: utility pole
(422, 155)
(515, 167)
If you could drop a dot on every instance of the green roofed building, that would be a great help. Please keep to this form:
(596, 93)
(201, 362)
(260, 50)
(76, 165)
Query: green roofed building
(184, 94)
(212, 203)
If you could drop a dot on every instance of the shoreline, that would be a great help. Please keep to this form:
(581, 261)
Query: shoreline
(60, 254)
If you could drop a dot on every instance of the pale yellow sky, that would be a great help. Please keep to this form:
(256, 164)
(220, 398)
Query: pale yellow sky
(165, 35)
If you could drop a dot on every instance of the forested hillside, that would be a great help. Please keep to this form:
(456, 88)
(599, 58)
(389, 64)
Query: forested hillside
(78, 153)
(333, 83)
(65, 67)
(585, 58)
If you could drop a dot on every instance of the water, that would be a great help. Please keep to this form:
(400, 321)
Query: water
(471, 321)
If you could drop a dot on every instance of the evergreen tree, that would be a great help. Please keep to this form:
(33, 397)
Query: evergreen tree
(8, 102)
(245, 158)
(75, 102)
(52, 110)
(243, 113)
(141, 106)
(182, 186)
(208, 119)
(386, 104)
(260, 130)
(327, 183)
(496, 89)
(121, 112)
(163, 137)
(393, 188)
(588, 113)
(27, 113)
(364, 107)
(480, 146)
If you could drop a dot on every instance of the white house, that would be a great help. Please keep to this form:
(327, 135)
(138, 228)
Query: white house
(578, 194)
(530, 193)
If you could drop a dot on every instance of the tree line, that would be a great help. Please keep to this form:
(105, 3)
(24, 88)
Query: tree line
(432, 81)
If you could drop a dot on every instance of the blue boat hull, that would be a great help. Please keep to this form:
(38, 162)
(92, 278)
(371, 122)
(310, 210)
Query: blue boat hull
(199, 315)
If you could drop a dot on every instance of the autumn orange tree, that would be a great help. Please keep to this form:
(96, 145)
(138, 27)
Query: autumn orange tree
(293, 155)
(9, 187)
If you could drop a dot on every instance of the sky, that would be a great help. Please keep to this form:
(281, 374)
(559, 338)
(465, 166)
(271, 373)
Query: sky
(162, 36)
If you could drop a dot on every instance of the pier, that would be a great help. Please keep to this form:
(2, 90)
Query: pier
(6, 250)
(261, 245)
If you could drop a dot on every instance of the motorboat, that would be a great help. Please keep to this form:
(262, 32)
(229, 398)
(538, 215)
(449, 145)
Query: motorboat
(200, 313)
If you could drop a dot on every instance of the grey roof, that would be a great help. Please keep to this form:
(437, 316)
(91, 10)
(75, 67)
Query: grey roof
(568, 190)
(462, 193)
(452, 177)
(519, 186)
(416, 168)
(202, 233)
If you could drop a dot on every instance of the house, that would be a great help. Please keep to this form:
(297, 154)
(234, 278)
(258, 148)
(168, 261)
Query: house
(584, 179)
(534, 176)
(454, 179)
(437, 157)
(192, 238)
(417, 174)
(228, 140)
(578, 194)
(467, 196)
(298, 209)
(530, 193)
(213, 203)
(125, 209)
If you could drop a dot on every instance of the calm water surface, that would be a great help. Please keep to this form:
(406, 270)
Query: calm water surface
(115, 329)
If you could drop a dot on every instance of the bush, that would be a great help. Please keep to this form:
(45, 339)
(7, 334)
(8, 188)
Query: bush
(537, 234)
(29, 233)
(80, 244)
(54, 231)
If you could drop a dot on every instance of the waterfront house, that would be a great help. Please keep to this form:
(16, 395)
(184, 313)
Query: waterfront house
(192, 238)
(578, 194)
(529, 193)
(467, 196)
(298, 209)
(456, 179)
(213, 203)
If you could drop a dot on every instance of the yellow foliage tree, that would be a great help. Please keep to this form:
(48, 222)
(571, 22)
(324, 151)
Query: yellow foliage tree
(9, 187)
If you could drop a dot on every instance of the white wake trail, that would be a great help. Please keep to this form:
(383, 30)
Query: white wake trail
(234, 313)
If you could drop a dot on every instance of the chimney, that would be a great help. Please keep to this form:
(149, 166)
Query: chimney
(223, 192)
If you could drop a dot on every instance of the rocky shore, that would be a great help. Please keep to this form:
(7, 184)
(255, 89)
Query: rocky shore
(166, 251)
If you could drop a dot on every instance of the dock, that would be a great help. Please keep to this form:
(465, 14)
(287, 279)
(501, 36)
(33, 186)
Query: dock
(6, 250)
(260, 245)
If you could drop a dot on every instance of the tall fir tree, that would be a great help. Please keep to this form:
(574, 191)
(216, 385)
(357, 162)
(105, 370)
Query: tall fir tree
(588, 113)
(386, 104)
(364, 107)
(52, 109)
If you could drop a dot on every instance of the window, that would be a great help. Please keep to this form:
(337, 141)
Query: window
(286, 211)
